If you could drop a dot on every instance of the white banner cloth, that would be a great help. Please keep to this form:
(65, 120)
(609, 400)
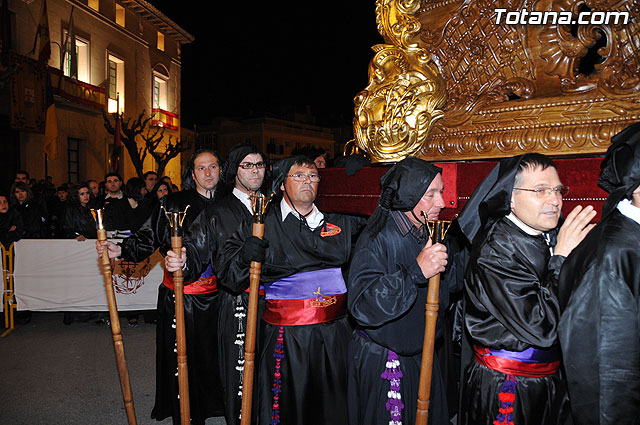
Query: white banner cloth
(65, 275)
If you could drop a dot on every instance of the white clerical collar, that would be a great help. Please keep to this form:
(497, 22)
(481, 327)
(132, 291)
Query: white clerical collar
(313, 220)
(629, 210)
(524, 227)
(244, 198)
(109, 195)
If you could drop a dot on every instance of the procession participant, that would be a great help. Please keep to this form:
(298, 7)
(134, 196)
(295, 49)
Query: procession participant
(244, 173)
(305, 331)
(200, 299)
(511, 302)
(387, 293)
(599, 294)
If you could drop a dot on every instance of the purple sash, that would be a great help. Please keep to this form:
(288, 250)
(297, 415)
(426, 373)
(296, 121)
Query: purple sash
(530, 355)
(306, 285)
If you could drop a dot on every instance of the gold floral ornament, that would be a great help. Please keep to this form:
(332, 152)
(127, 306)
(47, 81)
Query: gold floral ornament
(396, 111)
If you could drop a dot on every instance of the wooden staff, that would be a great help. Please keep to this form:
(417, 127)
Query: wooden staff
(259, 203)
(437, 230)
(175, 221)
(118, 344)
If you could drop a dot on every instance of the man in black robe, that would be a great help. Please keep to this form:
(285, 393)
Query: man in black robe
(388, 284)
(200, 299)
(244, 173)
(599, 296)
(511, 301)
(304, 331)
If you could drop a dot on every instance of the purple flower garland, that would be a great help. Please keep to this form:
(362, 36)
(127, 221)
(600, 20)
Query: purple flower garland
(393, 374)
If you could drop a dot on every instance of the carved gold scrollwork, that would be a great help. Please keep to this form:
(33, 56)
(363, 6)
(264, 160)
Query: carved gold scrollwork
(396, 111)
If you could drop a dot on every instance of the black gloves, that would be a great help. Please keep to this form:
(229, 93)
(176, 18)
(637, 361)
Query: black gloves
(254, 250)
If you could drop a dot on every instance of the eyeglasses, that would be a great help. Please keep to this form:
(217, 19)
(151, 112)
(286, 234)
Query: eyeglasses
(250, 165)
(301, 177)
(545, 192)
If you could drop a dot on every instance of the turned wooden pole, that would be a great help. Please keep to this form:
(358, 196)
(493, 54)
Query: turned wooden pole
(259, 207)
(431, 317)
(118, 344)
(175, 221)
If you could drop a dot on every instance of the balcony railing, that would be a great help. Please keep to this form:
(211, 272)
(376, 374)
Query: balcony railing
(77, 91)
(166, 119)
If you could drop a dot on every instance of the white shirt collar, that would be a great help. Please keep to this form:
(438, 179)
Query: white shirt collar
(313, 220)
(629, 210)
(119, 196)
(524, 227)
(244, 198)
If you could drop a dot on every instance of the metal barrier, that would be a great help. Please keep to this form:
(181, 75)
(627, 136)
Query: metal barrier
(8, 296)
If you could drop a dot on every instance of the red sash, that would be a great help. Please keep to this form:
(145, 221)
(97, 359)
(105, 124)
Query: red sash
(529, 369)
(204, 285)
(305, 312)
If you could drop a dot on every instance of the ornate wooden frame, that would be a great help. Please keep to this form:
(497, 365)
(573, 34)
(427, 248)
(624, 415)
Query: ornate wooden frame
(450, 84)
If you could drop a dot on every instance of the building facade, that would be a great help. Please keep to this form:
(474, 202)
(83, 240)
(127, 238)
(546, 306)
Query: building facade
(128, 59)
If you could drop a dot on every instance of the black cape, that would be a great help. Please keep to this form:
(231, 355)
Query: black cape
(599, 329)
(314, 369)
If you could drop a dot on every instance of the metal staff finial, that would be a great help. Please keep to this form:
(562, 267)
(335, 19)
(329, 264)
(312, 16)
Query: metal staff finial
(437, 228)
(97, 216)
(259, 204)
(175, 220)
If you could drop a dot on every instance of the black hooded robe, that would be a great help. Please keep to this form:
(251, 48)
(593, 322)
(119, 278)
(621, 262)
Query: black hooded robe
(599, 329)
(207, 236)
(511, 304)
(387, 298)
(201, 316)
(314, 364)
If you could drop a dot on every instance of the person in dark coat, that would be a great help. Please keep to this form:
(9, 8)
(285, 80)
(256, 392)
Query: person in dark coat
(511, 305)
(387, 291)
(78, 222)
(599, 294)
(304, 331)
(11, 226)
(200, 299)
(135, 191)
(32, 213)
(244, 173)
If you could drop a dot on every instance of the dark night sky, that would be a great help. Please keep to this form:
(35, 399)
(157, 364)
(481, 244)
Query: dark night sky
(249, 57)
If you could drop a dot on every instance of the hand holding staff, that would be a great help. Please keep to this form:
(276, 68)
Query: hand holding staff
(175, 221)
(259, 203)
(118, 345)
(437, 230)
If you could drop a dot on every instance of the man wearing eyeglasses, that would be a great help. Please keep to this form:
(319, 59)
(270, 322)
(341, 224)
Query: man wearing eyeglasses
(301, 374)
(511, 305)
(244, 174)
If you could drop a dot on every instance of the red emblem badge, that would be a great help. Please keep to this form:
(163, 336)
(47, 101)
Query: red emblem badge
(332, 230)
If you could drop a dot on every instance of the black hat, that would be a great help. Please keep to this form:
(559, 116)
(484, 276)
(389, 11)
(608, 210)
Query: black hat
(402, 188)
(235, 157)
(620, 169)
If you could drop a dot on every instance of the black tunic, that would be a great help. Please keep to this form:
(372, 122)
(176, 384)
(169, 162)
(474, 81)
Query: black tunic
(201, 315)
(511, 303)
(205, 240)
(387, 297)
(599, 329)
(314, 367)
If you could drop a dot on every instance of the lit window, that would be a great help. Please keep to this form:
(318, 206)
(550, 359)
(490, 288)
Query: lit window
(159, 93)
(82, 52)
(160, 41)
(115, 77)
(94, 4)
(119, 15)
